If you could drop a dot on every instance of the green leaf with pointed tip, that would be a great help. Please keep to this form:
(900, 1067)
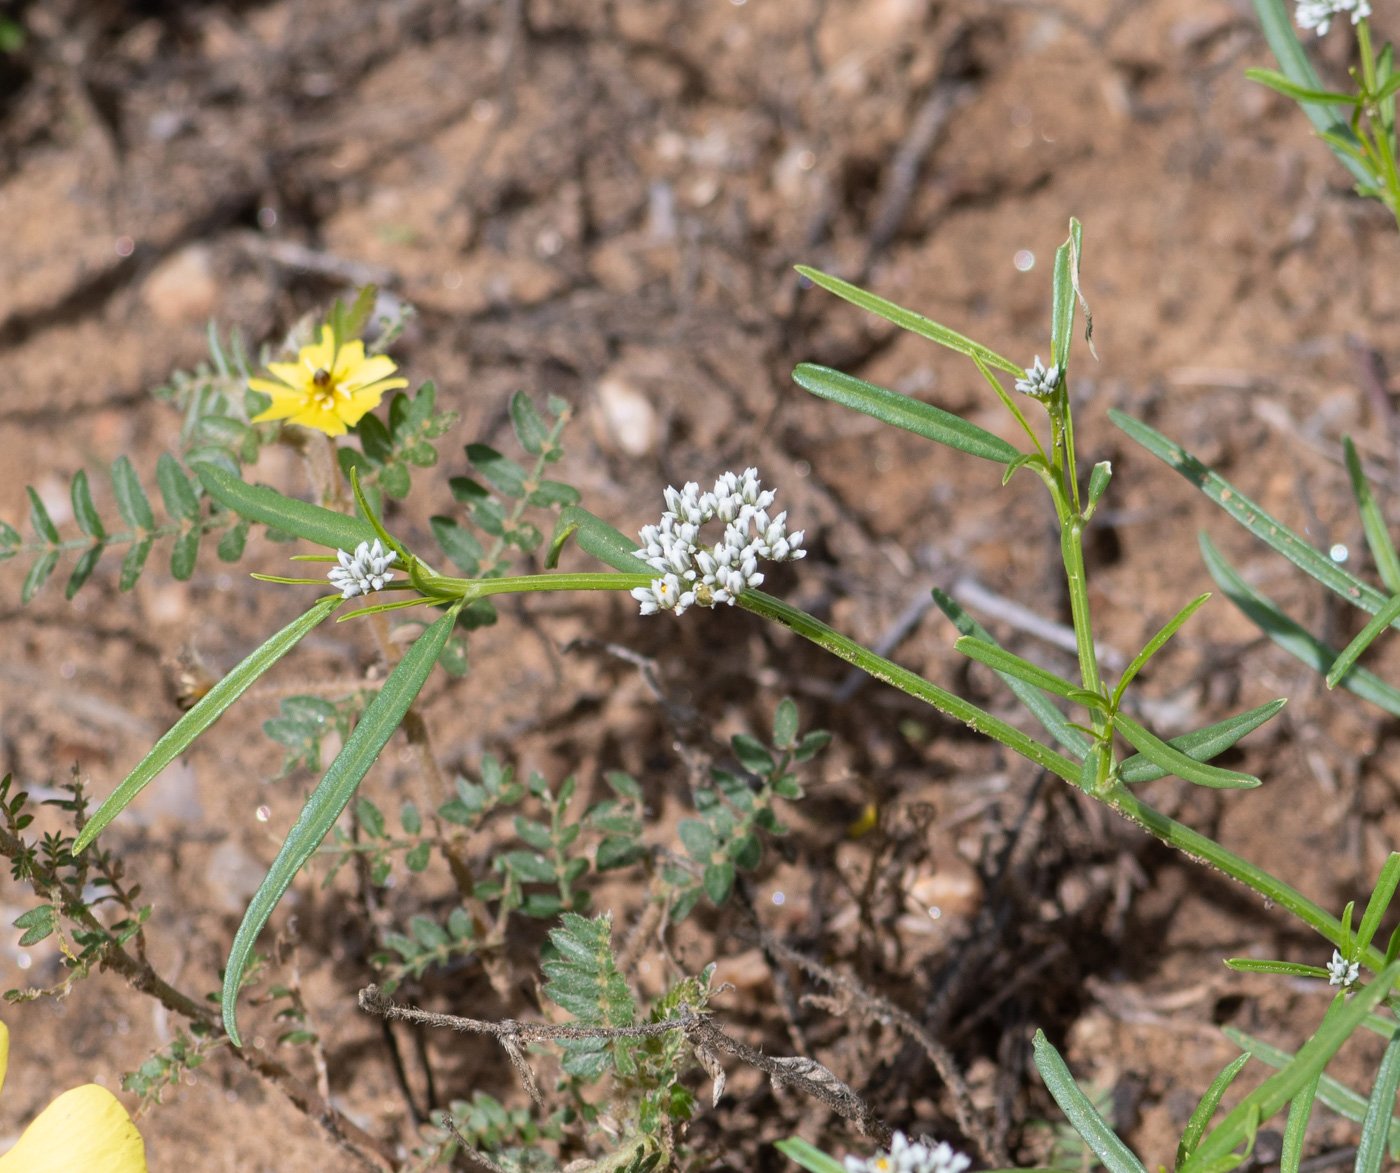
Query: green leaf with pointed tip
(209, 709)
(530, 430)
(1375, 1128)
(1276, 81)
(459, 544)
(132, 502)
(1200, 1118)
(1299, 1112)
(377, 724)
(38, 575)
(808, 1156)
(1175, 762)
(909, 320)
(1377, 535)
(553, 493)
(1266, 528)
(1333, 1093)
(1116, 1156)
(1290, 636)
(1290, 968)
(501, 473)
(1380, 899)
(1098, 481)
(1270, 1096)
(184, 554)
(83, 570)
(1041, 708)
(1062, 299)
(325, 527)
(175, 489)
(1155, 643)
(595, 536)
(84, 511)
(134, 563)
(1004, 661)
(1364, 639)
(923, 419)
(39, 518)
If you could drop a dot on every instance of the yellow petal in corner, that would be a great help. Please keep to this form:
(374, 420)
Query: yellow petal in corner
(85, 1130)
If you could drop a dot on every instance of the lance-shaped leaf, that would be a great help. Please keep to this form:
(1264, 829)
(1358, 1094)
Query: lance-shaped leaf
(1299, 1112)
(808, 1156)
(596, 537)
(1175, 762)
(1287, 968)
(1004, 661)
(175, 489)
(1377, 535)
(38, 575)
(1364, 639)
(132, 502)
(1290, 636)
(39, 518)
(209, 709)
(1200, 1118)
(923, 419)
(909, 320)
(1116, 1156)
(332, 793)
(1370, 1149)
(325, 527)
(1262, 525)
(1276, 81)
(84, 511)
(1270, 1096)
(1155, 643)
(1064, 282)
(1041, 708)
(1376, 907)
(1332, 1092)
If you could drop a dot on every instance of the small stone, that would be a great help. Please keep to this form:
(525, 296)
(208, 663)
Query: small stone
(626, 417)
(182, 289)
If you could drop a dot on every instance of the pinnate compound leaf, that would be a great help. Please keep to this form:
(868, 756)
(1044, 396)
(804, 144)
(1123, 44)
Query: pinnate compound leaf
(923, 419)
(377, 724)
(1116, 1156)
(1175, 762)
(584, 979)
(1196, 1126)
(132, 502)
(325, 527)
(209, 709)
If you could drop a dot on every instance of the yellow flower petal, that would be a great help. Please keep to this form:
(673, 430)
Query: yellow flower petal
(351, 355)
(311, 416)
(4, 1051)
(85, 1130)
(285, 402)
(319, 355)
(291, 373)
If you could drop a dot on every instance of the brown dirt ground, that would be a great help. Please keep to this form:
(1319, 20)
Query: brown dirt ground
(604, 201)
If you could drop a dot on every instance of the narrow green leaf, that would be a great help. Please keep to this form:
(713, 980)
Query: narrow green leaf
(1291, 637)
(1278, 1089)
(1377, 535)
(1290, 968)
(1040, 706)
(1299, 1112)
(259, 503)
(84, 511)
(134, 563)
(530, 430)
(909, 320)
(132, 502)
(1276, 81)
(1266, 528)
(1333, 1093)
(1370, 1149)
(923, 419)
(209, 709)
(357, 317)
(1061, 307)
(40, 520)
(83, 570)
(1098, 481)
(38, 575)
(1004, 661)
(382, 716)
(184, 554)
(1155, 643)
(595, 537)
(1277, 23)
(1116, 1156)
(1376, 907)
(808, 1156)
(175, 489)
(1364, 639)
(502, 473)
(1175, 762)
(1200, 1118)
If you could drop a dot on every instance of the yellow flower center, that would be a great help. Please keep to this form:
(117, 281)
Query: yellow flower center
(323, 389)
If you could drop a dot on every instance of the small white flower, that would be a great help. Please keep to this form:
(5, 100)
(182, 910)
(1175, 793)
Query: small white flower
(907, 1156)
(1340, 973)
(364, 571)
(1039, 382)
(1318, 14)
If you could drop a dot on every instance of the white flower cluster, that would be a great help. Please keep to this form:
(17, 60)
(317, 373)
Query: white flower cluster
(692, 573)
(1039, 383)
(1318, 14)
(366, 570)
(911, 1157)
(1339, 972)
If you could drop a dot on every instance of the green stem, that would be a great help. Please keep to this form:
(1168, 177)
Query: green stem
(170, 529)
(531, 483)
(470, 589)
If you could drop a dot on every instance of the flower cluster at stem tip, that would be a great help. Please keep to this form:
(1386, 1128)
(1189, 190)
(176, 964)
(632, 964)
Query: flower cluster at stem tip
(1340, 972)
(366, 570)
(1318, 14)
(692, 573)
(1039, 383)
(907, 1156)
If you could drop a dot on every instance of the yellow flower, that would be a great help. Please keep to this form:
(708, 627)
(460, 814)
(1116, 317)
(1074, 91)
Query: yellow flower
(85, 1130)
(326, 389)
